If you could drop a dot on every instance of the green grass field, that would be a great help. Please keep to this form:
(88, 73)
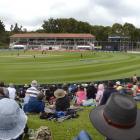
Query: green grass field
(59, 67)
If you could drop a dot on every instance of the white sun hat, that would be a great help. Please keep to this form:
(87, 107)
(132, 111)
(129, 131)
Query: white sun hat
(12, 119)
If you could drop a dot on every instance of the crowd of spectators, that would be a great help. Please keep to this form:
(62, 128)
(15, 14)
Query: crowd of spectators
(58, 98)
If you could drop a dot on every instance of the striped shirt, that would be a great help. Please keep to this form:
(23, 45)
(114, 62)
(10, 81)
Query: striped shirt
(32, 91)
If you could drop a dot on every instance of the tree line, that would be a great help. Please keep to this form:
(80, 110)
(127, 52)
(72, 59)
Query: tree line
(71, 25)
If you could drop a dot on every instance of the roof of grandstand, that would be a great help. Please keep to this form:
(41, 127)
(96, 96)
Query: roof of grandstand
(52, 35)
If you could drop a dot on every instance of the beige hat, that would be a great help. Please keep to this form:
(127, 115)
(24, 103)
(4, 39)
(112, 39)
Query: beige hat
(59, 93)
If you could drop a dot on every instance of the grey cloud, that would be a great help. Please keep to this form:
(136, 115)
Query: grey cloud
(108, 3)
(7, 17)
(58, 5)
(63, 11)
(113, 11)
(117, 7)
(32, 22)
(11, 20)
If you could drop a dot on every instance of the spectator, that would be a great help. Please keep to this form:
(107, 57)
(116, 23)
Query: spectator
(118, 86)
(62, 100)
(49, 92)
(22, 91)
(108, 91)
(80, 95)
(99, 94)
(2, 94)
(31, 92)
(65, 87)
(118, 119)
(6, 92)
(12, 120)
(134, 78)
(137, 95)
(35, 104)
(128, 89)
(138, 89)
(12, 91)
(134, 88)
(72, 90)
(91, 91)
(31, 101)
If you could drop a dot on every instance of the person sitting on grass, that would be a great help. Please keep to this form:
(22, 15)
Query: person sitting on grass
(33, 101)
(99, 94)
(6, 92)
(12, 120)
(107, 92)
(118, 86)
(129, 89)
(118, 119)
(62, 100)
(60, 106)
(134, 78)
(12, 91)
(80, 95)
(2, 94)
(36, 104)
(137, 94)
(22, 91)
(91, 91)
(49, 93)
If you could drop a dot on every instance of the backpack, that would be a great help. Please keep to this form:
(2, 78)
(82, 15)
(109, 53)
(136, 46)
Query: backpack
(43, 133)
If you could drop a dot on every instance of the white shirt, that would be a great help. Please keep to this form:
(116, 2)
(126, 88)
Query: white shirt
(12, 93)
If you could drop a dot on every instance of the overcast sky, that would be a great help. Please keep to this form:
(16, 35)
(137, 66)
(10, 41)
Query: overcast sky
(31, 13)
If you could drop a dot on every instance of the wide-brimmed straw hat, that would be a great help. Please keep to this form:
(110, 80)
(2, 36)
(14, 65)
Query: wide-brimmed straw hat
(59, 93)
(118, 119)
(12, 119)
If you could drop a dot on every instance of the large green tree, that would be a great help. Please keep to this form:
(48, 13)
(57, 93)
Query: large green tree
(117, 29)
(128, 30)
(4, 36)
(101, 33)
(16, 28)
(2, 27)
(50, 26)
(71, 25)
(65, 25)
